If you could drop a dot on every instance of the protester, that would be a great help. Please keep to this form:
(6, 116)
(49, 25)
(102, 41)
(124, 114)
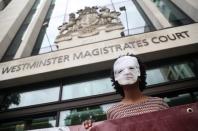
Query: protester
(129, 80)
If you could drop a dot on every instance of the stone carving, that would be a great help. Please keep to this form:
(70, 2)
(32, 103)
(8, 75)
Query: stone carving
(107, 17)
(89, 22)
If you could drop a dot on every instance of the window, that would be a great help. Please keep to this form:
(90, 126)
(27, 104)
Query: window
(180, 99)
(195, 95)
(12, 126)
(172, 13)
(29, 124)
(77, 116)
(87, 88)
(168, 73)
(42, 122)
(21, 99)
(45, 40)
(131, 18)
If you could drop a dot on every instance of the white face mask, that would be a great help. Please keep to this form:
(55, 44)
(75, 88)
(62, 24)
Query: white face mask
(126, 70)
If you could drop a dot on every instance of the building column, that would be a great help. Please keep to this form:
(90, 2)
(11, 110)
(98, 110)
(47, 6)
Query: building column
(11, 19)
(190, 7)
(30, 36)
(154, 14)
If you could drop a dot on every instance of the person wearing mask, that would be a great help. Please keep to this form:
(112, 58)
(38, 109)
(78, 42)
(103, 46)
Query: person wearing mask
(129, 80)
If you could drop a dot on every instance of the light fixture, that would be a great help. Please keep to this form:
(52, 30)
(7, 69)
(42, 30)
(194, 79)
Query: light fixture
(123, 8)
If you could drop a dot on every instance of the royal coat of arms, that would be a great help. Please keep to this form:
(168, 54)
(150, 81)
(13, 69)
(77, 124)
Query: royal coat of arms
(89, 21)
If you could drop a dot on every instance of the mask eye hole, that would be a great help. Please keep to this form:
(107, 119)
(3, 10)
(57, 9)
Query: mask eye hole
(120, 71)
(131, 68)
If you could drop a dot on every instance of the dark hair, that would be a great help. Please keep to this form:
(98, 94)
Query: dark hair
(142, 78)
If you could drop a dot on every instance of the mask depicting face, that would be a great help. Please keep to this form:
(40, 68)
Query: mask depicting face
(126, 70)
